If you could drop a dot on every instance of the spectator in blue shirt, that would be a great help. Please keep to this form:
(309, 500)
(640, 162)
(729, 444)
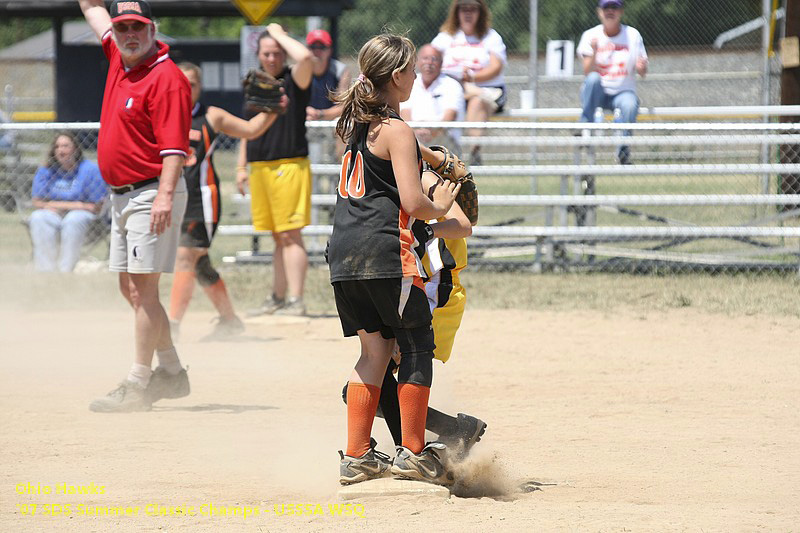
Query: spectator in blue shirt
(68, 193)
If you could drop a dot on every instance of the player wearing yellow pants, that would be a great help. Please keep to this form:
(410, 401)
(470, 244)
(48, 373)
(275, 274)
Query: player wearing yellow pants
(443, 260)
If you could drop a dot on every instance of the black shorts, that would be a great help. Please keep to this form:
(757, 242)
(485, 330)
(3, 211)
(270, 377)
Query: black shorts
(383, 305)
(501, 100)
(194, 234)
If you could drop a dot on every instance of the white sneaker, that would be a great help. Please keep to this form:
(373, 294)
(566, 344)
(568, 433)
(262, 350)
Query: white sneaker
(126, 398)
(371, 465)
(292, 307)
(269, 307)
(430, 465)
(225, 328)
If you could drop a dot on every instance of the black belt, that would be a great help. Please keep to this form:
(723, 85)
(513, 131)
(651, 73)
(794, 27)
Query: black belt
(122, 189)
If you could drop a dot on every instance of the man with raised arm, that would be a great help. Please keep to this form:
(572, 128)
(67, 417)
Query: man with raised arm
(144, 138)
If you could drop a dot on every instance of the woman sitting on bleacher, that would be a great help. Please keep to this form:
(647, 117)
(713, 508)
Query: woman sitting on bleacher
(68, 192)
(475, 55)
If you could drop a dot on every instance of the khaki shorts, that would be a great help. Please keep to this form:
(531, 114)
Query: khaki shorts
(133, 248)
(280, 193)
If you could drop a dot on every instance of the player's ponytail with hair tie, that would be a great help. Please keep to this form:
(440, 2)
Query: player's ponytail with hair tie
(363, 103)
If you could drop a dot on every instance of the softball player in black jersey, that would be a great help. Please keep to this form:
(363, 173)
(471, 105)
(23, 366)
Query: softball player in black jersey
(375, 270)
(443, 248)
(204, 207)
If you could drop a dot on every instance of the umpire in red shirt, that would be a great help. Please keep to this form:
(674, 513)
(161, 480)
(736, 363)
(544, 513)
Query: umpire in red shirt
(144, 138)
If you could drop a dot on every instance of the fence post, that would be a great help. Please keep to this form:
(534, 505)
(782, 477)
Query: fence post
(790, 95)
(765, 97)
(533, 79)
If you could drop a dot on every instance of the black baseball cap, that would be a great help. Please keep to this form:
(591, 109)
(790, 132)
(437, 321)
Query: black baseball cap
(131, 10)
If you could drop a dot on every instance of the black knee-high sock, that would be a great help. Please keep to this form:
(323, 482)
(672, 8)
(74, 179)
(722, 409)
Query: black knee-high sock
(390, 404)
(436, 422)
(440, 423)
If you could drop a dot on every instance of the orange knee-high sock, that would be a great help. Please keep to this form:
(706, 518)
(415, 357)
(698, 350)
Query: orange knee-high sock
(413, 413)
(218, 295)
(182, 288)
(362, 402)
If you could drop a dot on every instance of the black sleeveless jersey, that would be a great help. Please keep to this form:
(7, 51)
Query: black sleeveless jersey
(202, 182)
(372, 237)
(287, 135)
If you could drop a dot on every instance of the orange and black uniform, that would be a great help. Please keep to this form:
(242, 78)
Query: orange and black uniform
(372, 237)
(204, 207)
(376, 271)
(376, 274)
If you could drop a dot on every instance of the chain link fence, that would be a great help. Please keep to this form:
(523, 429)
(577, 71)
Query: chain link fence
(701, 52)
(703, 201)
(708, 191)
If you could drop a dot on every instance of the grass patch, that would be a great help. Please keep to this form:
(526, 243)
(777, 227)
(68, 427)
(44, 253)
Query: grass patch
(732, 295)
(751, 294)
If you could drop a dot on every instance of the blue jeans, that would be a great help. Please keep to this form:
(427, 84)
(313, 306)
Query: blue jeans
(593, 96)
(48, 228)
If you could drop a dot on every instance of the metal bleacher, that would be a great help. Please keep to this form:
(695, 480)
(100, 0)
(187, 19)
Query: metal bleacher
(567, 234)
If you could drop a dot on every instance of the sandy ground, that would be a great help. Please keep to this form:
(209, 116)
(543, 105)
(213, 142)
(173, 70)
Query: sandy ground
(655, 422)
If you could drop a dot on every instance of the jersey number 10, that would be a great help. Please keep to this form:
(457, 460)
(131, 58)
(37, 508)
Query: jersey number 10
(352, 184)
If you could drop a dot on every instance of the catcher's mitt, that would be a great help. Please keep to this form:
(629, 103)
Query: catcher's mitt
(453, 169)
(262, 92)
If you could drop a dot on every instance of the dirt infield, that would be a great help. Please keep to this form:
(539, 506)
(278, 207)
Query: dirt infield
(660, 421)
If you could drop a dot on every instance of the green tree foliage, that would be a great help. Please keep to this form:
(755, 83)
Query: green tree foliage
(221, 27)
(13, 30)
(371, 17)
(202, 27)
(420, 21)
(689, 22)
(661, 23)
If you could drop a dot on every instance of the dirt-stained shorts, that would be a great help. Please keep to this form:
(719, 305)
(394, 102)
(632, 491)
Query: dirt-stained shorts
(384, 305)
(197, 234)
(134, 249)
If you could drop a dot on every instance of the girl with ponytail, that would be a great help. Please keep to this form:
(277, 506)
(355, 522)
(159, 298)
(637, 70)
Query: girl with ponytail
(375, 262)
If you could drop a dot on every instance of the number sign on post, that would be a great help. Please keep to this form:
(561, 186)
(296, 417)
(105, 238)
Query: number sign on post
(560, 59)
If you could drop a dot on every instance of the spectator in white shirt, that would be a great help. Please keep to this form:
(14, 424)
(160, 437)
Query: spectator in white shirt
(475, 55)
(612, 53)
(435, 97)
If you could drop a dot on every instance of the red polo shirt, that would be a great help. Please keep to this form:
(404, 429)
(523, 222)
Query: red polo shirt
(147, 114)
